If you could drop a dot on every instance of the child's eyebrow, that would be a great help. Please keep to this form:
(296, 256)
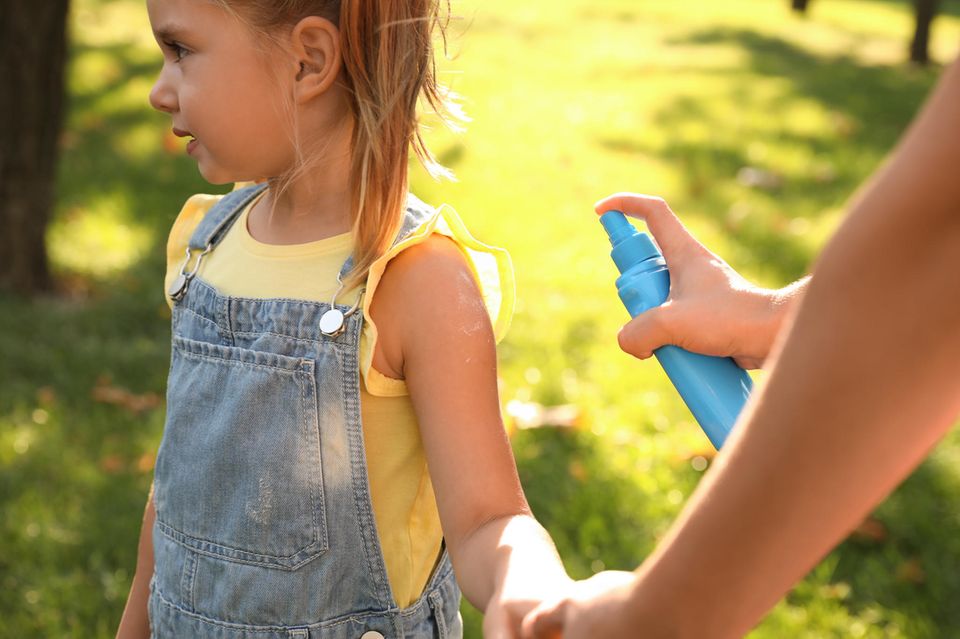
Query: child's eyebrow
(169, 32)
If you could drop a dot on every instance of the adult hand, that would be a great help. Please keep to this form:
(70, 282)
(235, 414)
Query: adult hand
(596, 607)
(711, 309)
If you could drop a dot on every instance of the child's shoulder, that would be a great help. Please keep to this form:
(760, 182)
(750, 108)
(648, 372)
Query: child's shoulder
(443, 255)
(438, 265)
(434, 262)
(427, 293)
(427, 264)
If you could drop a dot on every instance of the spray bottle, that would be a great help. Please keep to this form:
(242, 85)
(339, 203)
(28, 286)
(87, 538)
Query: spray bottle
(714, 388)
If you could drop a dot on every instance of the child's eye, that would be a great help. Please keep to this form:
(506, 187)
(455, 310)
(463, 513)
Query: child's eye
(176, 49)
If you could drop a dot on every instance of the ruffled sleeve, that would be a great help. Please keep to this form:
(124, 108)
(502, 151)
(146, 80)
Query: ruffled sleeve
(183, 227)
(491, 267)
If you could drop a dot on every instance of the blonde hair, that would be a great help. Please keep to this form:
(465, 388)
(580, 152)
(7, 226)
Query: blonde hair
(388, 57)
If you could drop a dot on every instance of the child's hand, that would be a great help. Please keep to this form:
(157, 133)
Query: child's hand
(711, 309)
(596, 607)
(506, 610)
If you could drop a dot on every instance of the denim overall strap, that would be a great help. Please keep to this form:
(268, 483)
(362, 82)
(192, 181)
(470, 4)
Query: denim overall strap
(416, 212)
(214, 225)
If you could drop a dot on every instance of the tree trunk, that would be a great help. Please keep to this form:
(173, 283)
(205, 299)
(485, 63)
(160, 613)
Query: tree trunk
(926, 11)
(800, 6)
(32, 61)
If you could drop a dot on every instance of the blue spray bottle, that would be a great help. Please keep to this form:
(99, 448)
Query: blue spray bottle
(714, 388)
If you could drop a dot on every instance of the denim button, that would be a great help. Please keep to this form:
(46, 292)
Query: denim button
(371, 634)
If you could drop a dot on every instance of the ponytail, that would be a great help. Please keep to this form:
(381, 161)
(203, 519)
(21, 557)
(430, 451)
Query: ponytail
(388, 56)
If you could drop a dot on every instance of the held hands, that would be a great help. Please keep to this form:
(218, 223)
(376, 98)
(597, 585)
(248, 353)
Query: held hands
(506, 610)
(596, 607)
(711, 309)
(742, 322)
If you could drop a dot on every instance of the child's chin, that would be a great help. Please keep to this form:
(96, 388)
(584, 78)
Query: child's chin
(219, 176)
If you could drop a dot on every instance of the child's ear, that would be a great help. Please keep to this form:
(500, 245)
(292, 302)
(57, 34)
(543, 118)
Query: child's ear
(316, 49)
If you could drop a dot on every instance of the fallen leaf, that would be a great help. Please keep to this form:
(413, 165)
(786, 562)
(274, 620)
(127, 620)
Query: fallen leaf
(689, 454)
(46, 395)
(111, 464)
(577, 470)
(106, 393)
(839, 590)
(146, 462)
(911, 571)
(870, 530)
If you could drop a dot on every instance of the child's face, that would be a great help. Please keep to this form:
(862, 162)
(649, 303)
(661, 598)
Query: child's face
(222, 87)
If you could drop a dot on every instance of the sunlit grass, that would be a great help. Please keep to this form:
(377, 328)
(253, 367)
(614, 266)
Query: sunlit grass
(98, 240)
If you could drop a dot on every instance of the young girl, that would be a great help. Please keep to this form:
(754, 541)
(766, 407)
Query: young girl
(333, 448)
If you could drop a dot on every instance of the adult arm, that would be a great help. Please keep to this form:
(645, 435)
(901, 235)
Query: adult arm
(864, 382)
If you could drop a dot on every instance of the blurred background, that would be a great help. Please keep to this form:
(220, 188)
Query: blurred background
(755, 119)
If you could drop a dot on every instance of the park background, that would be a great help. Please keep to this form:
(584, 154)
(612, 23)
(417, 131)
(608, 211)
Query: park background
(754, 122)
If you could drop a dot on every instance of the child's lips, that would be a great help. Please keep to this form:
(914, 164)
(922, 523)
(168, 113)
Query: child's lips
(180, 133)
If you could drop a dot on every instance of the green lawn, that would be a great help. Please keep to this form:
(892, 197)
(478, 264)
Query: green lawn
(570, 101)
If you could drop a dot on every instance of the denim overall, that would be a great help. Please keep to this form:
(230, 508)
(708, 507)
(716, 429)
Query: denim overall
(264, 525)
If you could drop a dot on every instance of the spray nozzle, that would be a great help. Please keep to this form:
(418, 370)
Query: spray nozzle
(630, 246)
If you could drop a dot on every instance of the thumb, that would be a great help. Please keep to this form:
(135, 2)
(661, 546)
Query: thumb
(544, 622)
(645, 332)
(671, 235)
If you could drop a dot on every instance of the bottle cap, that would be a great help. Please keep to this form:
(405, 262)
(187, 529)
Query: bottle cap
(630, 246)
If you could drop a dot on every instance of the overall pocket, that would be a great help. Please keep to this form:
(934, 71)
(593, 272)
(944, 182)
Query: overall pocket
(239, 471)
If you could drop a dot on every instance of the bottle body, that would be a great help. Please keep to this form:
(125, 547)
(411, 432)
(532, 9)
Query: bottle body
(715, 389)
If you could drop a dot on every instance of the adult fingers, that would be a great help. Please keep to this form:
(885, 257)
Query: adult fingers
(646, 332)
(669, 232)
(544, 622)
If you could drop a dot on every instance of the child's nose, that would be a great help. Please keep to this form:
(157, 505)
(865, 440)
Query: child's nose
(163, 97)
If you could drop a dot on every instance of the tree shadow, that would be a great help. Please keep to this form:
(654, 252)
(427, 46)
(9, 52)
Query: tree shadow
(75, 469)
(947, 7)
(885, 97)
(97, 159)
(865, 108)
(595, 513)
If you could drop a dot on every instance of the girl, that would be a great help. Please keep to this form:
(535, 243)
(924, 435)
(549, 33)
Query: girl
(309, 420)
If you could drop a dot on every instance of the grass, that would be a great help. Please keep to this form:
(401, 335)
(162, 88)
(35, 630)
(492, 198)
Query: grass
(570, 101)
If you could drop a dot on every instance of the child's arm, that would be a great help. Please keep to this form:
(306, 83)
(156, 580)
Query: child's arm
(434, 331)
(711, 308)
(135, 624)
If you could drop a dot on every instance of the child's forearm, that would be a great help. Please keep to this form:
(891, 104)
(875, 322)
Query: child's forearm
(508, 558)
(135, 623)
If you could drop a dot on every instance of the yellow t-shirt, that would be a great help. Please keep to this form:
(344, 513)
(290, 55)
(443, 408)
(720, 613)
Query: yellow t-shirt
(403, 502)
